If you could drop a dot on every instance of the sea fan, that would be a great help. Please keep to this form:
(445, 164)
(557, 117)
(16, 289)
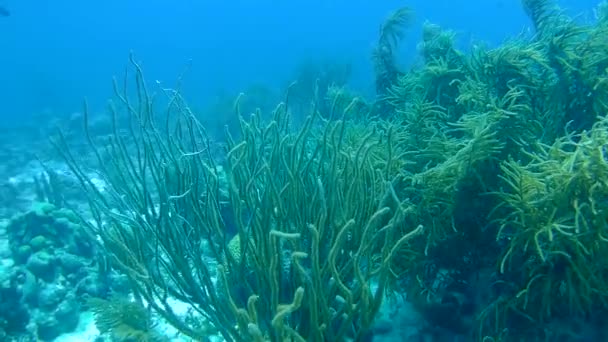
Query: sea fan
(124, 320)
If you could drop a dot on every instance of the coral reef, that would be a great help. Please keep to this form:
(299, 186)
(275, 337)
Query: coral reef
(309, 247)
(54, 265)
(474, 185)
(507, 174)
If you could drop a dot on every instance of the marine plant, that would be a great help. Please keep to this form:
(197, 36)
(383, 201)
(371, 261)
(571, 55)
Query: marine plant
(384, 55)
(312, 229)
(312, 82)
(576, 52)
(346, 104)
(295, 232)
(470, 123)
(124, 320)
(554, 222)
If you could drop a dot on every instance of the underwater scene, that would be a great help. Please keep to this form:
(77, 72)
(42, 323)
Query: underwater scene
(407, 181)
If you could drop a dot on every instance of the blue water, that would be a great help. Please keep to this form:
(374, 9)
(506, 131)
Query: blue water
(55, 53)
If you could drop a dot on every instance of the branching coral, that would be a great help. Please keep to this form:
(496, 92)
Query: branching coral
(463, 114)
(295, 233)
(314, 195)
(554, 223)
(391, 33)
(316, 221)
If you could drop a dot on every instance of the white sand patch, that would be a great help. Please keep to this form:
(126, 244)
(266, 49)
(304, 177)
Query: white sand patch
(86, 330)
